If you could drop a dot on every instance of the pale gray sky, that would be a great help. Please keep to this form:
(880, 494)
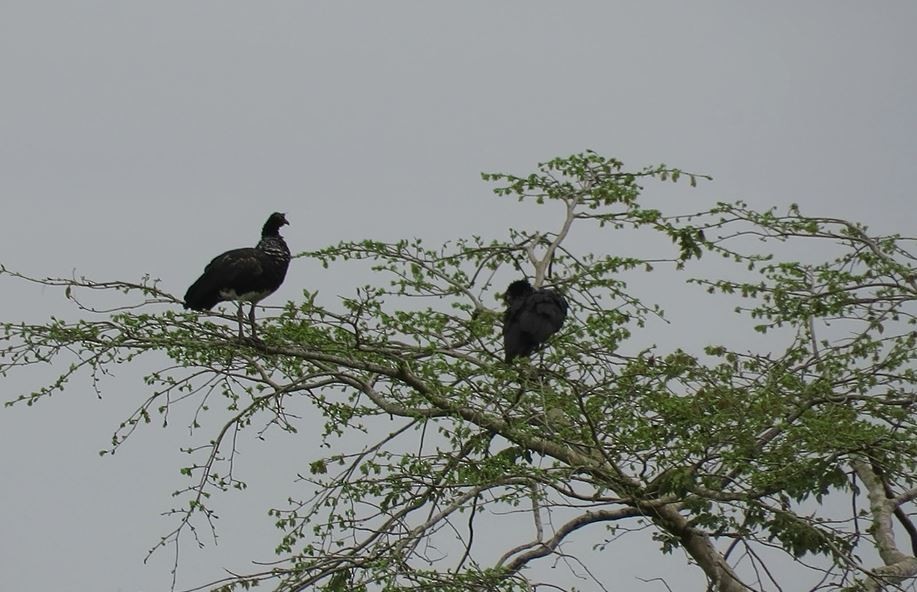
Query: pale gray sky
(146, 137)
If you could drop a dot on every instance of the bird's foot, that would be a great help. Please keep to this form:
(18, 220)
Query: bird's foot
(243, 339)
(253, 340)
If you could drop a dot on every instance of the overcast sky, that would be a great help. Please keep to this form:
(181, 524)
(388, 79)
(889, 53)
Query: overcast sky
(146, 137)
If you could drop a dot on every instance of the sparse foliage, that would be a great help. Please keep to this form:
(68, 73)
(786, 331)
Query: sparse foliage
(723, 453)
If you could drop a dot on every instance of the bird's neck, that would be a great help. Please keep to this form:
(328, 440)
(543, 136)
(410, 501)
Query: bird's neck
(274, 245)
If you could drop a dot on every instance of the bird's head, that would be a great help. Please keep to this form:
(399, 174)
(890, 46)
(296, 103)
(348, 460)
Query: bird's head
(273, 224)
(516, 290)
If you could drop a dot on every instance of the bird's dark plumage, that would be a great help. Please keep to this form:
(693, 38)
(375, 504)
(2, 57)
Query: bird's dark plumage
(244, 275)
(531, 317)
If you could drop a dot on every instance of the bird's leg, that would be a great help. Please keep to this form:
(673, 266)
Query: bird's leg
(251, 319)
(239, 317)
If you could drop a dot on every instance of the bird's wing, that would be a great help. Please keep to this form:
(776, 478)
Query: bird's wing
(236, 262)
(232, 270)
(550, 307)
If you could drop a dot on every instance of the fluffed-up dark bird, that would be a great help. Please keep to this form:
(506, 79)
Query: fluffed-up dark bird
(244, 275)
(531, 317)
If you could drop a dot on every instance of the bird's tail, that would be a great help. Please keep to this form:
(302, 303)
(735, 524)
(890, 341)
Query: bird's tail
(201, 295)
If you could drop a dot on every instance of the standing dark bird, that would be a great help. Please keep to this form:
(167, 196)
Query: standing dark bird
(531, 317)
(244, 275)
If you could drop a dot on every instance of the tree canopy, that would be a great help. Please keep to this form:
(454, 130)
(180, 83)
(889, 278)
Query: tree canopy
(801, 441)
